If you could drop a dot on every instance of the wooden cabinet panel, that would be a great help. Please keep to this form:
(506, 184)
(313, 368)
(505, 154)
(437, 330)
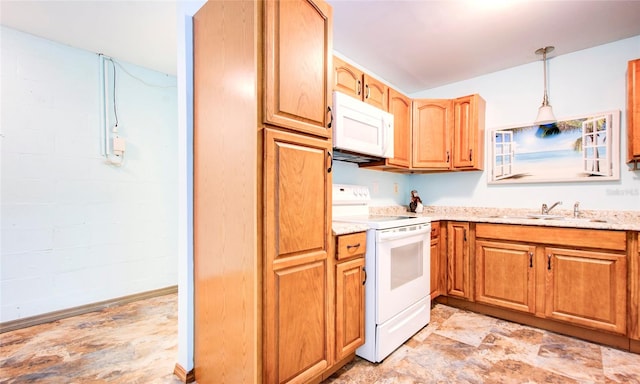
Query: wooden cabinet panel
(298, 69)
(458, 262)
(634, 284)
(347, 78)
(296, 230)
(633, 111)
(587, 288)
(505, 275)
(350, 297)
(431, 133)
(299, 323)
(434, 287)
(375, 92)
(468, 132)
(400, 108)
(351, 245)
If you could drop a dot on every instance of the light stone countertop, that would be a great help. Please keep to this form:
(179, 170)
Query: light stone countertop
(611, 220)
(340, 228)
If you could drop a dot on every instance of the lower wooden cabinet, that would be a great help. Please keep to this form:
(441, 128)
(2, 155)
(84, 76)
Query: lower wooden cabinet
(505, 275)
(438, 264)
(349, 306)
(579, 277)
(587, 288)
(458, 261)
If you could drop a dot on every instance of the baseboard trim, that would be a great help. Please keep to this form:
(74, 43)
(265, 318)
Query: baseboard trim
(75, 311)
(183, 375)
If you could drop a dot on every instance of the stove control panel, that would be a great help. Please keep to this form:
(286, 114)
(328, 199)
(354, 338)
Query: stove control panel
(346, 194)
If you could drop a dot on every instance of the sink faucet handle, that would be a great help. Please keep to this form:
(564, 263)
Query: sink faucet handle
(544, 209)
(576, 209)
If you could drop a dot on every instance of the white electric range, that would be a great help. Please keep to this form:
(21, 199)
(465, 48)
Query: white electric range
(397, 261)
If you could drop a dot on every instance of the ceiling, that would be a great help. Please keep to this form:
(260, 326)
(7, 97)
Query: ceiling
(413, 45)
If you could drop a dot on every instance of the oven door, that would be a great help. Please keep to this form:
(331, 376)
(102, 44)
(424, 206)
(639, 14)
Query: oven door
(402, 268)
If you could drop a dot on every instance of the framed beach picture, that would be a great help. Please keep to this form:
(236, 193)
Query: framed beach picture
(583, 148)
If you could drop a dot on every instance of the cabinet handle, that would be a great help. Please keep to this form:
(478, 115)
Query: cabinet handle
(330, 112)
(471, 155)
(368, 91)
(447, 156)
(464, 231)
(353, 246)
(530, 259)
(365, 275)
(359, 88)
(549, 262)
(331, 165)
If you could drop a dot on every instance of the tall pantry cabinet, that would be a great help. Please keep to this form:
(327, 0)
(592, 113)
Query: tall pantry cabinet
(262, 218)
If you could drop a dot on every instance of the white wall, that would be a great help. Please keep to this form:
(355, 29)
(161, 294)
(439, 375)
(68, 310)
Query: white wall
(592, 80)
(185, 12)
(75, 230)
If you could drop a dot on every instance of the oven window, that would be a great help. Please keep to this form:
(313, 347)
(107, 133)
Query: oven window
(406, 264)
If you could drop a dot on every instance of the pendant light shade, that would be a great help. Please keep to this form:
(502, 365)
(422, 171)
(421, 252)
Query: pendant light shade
(545, 113)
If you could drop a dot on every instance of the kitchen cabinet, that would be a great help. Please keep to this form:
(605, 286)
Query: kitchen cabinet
(448, 134)
(576, 276)
(458, 260)
(438, 265)
(350, 291)
(633, 113)
(634, 290)
(400, 108)
(262, 214)
(431, 133)
(352, 81)
(587, 288)
(505, 275)
(297, 65)
(468, 133)
(296, 251)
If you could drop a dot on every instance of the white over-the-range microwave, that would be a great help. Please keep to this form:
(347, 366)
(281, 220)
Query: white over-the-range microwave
(361, 132)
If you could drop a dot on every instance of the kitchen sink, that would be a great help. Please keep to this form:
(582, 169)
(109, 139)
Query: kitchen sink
(547, 217)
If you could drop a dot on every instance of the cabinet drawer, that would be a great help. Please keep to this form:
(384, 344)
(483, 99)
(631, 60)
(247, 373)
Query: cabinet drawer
(351, 245)
(435, 229)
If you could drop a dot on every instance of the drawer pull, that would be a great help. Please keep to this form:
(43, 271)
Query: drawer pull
(353, 246)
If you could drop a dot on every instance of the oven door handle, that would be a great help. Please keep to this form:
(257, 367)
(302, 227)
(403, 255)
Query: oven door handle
(383, 237)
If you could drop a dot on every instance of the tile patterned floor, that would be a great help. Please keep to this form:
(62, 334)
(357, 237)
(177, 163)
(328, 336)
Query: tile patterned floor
(463, 347)
(137, 344)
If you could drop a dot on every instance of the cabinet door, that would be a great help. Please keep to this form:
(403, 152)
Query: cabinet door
(633, 110)
(349, 307)
(432, 120)
(468, 132)
(400, 108)
(298, 65)
(458, 263)
(296, 240)
(634, 286)
(587, 288)
(435, 268)
(375, 92)
(347, 78)
(505, 275)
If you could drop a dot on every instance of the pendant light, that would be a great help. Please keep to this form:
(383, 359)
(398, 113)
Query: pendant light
(545, 113)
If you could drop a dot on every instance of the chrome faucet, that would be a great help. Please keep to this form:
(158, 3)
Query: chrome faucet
(546, 210)
(576, 210)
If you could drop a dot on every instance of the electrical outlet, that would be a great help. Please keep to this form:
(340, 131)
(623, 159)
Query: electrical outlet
(375, 187)
(119, 146)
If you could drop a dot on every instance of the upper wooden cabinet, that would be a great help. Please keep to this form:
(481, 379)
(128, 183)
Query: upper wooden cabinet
(468, 132)
(448, 134)
(633, 112)
(297, 65)
(352, 81)
(400, 108)
(432, 123)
